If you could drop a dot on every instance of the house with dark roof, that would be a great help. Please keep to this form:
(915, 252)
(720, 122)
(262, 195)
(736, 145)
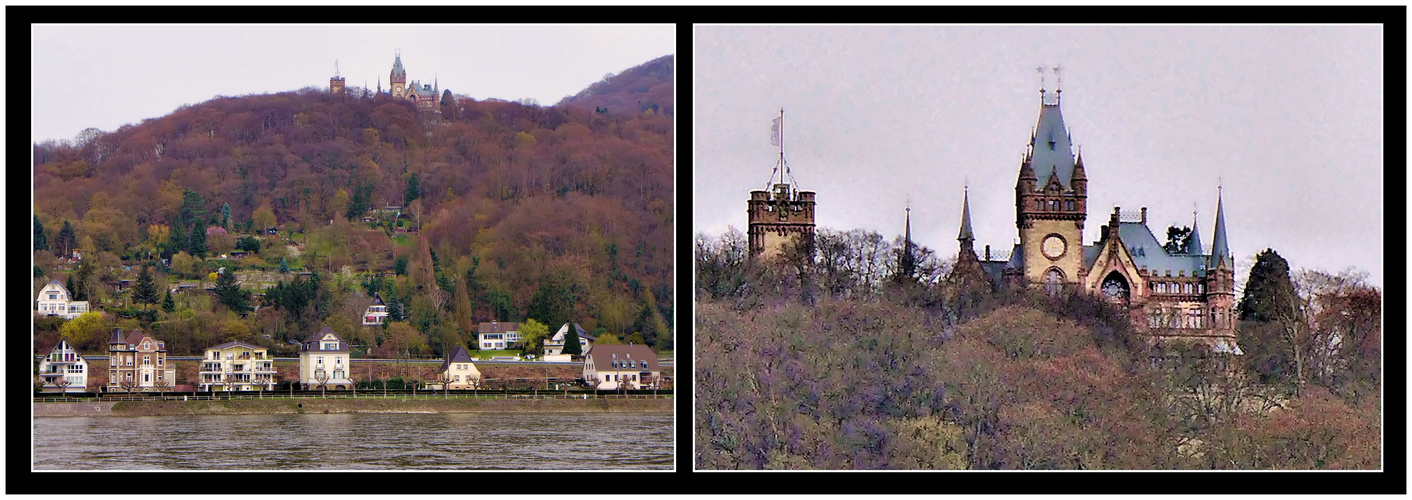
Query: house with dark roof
(138, 361)
(376, 312)
(236, 366)
(324, 360)
(614, 366)
(458, 371)
(554, 346)
(496, 335)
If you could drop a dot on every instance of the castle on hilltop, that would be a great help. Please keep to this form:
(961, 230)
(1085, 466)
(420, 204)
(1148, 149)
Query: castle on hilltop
(425, 97)
(1173, 293)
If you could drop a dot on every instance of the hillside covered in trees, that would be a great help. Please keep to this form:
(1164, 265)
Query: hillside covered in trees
(850, 362)
(488, 210)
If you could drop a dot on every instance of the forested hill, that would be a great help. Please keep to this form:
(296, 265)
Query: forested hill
(560, 208)
(636, 90)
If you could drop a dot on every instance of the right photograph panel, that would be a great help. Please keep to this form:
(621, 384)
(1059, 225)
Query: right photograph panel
(1010, 247)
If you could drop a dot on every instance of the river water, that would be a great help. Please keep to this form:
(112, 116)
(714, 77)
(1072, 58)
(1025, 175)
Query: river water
(376, 441)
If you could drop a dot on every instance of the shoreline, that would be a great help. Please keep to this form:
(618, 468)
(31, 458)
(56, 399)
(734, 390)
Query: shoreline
(363, 405)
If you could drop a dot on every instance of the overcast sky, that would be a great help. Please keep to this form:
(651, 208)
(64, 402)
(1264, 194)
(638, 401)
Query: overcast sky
(107, 76)
(1288, 118)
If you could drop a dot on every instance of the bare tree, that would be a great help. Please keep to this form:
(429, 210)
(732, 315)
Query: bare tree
(128, 384)
(162, 386)
(63, 383)
(321, 377)
(474, 380)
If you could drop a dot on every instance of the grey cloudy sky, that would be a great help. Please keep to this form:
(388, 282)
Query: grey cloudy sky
(1288, 118)
(107, 76)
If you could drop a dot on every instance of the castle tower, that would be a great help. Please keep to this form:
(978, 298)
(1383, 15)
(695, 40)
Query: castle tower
(1220, 277)
(779, 219)
(335, 84)
(783, 217)
(398, 80)
(1050, 214)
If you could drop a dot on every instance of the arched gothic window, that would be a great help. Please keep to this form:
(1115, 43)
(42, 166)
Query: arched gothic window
(1115, 288)
(1053, 281)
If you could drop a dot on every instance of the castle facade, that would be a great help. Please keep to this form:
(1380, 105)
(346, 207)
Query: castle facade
(1172, 293)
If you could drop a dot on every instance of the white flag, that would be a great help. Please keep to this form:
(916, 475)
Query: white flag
(775, 132)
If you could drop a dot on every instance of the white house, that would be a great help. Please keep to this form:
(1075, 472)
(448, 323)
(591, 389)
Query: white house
(609, 366)
(496, 335)
(324, 359)
(554, 346)
(375, 313)
(53, 300)
(236, 366)
(64, 370)
(458, 371)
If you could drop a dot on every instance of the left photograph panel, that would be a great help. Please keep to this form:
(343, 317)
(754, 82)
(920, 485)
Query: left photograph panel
(437, 248)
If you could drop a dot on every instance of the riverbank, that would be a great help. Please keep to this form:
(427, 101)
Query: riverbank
(423, 404)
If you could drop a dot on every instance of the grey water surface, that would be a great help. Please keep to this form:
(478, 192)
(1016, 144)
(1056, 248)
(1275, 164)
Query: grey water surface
(364, 441)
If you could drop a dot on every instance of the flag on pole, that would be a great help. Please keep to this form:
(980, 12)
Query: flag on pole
(775, 131)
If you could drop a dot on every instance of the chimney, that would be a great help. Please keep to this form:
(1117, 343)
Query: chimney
(1144, 215)
(987, 252)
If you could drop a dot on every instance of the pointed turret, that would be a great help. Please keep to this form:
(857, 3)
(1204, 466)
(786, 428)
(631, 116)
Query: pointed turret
(1079, 182)
(1220, 253)
(1194, 242)
(399, 74)
(1050, 144)
(908, 238)
(117, 337)
(1027, 178)
(967, 238)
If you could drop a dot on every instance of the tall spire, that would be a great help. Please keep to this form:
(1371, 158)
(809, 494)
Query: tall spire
(1194, 243)
(1220, 253)
(908, 238)
(966, 237)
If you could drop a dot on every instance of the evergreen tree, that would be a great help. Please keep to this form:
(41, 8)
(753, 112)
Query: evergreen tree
(79, 288)
(283, 265)
(67, 240)
(571, 342)
(198, 242)
(38, 271)
(1269, 281)
(41, 242)
(230, 294)
(69, 285)
(167, 304)
(414, 191)
(146, 292)
(646, 324)
(225, 215)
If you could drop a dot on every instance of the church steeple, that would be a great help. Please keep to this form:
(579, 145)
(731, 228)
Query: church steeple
(967, 238)
(1220, 253)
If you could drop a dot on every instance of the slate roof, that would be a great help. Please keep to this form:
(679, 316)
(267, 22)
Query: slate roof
(564, 332)
(1219, 251)
(313, 344)
(627, 356)
(457, 355)
(397, 69)
(966, 233)
(1057, 157)
(499, 327)
(1148, 252)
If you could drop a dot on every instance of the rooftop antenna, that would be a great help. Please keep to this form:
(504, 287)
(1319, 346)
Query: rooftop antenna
(1040, 70)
